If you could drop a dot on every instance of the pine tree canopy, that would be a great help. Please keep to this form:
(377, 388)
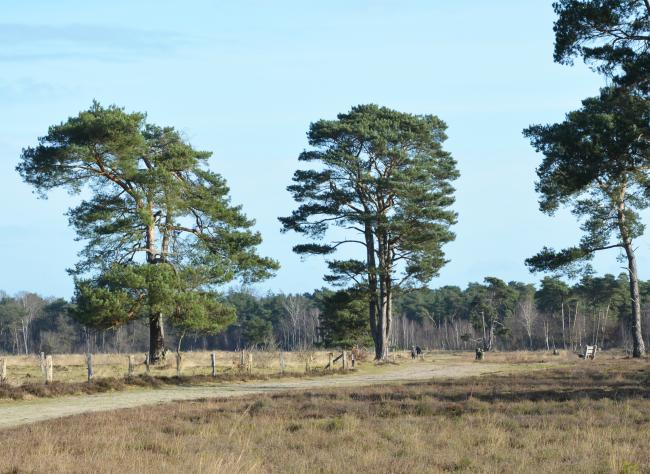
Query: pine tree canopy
(159, 230)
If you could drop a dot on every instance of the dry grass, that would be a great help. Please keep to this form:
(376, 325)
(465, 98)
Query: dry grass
(25, 378)
(590, 417)
(72, 367)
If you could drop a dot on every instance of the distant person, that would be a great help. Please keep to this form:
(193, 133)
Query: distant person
(418, 351)
(479, 353)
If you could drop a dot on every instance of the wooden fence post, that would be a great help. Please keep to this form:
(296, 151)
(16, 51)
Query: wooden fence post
(281, 362)
(213, 363)
(345, 360)
(89, 364)
(354, 359)
(42, 361)
(250, 362)
(179, 362)
(146, 361)
(49, 369)
(330, 360)
(131, 364)
(3, 370)
(242, 360)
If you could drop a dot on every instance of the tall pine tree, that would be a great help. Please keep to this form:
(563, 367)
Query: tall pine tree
(159, 228)
(383, 178)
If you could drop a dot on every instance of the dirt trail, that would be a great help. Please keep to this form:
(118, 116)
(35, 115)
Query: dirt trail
(30, 411)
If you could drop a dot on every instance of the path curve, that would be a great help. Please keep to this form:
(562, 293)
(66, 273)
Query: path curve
(31, 411)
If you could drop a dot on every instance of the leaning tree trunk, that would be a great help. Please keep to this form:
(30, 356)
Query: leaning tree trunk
(638, 346)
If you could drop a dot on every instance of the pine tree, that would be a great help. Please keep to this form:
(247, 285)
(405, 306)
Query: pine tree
(159, 228)
(383, 178)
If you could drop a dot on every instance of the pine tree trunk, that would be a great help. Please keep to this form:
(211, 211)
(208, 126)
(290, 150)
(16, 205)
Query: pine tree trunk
(563, 337)
(156, 328)
(638, 346)
(156, 338)
(372, 291)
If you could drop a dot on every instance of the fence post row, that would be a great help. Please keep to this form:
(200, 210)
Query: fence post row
(89, 364)
(49, 369)
(213, 364)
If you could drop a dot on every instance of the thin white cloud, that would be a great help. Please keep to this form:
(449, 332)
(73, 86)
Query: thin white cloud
(22, 42)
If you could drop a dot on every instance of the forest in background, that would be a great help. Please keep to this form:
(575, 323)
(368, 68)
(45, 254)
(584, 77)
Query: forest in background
(492, 314)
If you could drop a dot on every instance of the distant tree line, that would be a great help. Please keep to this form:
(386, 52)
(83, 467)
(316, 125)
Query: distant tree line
(493, 314)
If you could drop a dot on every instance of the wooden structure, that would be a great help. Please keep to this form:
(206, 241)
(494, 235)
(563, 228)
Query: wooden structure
(345, 362)
(3, 370)
(590, 352)
(179, 364)
(131, 366)
(89, 366)
(49, 369)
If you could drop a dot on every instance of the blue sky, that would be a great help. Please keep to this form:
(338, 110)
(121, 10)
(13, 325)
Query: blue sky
(244, 80)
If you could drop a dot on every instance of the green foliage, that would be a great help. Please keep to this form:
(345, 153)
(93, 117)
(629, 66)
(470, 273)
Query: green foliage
(383, 178)
(124, 293)
(553, 293)
(253, 319)
(443, 304)
(344, 318)
(490, 307)
(595, 161)
(159, 229)
(382, 170)
(613, 35)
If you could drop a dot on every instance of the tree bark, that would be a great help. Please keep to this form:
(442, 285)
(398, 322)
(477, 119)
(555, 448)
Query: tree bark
(563, 337)
(156, 338)
(638, 346)
(372, 290)
(156, 328)
(384, 296)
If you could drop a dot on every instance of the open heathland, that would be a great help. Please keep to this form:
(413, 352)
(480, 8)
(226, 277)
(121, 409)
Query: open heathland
(587, 416)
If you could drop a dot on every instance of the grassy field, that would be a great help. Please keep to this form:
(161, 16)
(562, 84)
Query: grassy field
(72, 367)
(574, 416)
(26, 380)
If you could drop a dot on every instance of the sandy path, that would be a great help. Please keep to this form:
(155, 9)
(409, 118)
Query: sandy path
(22, 412)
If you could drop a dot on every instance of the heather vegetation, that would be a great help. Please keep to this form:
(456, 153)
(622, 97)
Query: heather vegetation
(540, 421)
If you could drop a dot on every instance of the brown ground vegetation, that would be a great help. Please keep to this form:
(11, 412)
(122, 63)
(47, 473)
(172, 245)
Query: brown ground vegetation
(26, 379)
(589, 417)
